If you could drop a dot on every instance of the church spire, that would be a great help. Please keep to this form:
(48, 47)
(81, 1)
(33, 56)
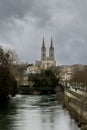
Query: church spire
(51, 50)
(51, 43)
(43, 44)
(43, 51)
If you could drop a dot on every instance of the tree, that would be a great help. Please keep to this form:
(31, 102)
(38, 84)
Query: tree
(7, 57)
(45, 79)
(79, 77)
(7, 79)
(7, 83)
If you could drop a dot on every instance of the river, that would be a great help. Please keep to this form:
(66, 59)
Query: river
(25, 112)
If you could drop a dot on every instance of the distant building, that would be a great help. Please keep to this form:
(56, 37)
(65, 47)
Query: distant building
(65, 72)
(47, 62)
(32, 69)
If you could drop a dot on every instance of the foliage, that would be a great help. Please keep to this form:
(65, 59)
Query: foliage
(18, 71)
(80, 76)
(7, 57)
(7, 80)
(44, 79)
(66, 98)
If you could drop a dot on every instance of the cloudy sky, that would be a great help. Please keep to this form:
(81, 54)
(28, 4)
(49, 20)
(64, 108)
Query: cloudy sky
(24, 23)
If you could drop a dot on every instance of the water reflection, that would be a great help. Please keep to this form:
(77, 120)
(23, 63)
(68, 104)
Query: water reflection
(35, 113)
(6, 113)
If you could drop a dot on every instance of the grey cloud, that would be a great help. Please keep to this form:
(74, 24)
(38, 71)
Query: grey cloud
(14, 8)
(20, 8)
(25, 22)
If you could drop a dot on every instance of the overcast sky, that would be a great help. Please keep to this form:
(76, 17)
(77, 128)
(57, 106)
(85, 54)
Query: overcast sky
(24, 23)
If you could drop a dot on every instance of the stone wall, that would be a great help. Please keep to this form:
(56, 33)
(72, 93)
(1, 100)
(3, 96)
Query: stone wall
(77, 105)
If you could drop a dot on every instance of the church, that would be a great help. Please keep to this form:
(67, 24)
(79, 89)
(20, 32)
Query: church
(45, 61)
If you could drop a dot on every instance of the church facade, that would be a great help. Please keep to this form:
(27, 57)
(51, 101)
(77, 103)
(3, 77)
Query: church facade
(45, 61)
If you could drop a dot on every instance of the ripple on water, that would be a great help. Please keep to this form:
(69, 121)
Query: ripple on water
(26, 112)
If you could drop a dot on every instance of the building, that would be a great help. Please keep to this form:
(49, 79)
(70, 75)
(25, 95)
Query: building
(45, 61)
(65, 74)
(32, 69)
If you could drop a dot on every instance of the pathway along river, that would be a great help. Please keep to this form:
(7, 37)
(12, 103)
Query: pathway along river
(25, 112)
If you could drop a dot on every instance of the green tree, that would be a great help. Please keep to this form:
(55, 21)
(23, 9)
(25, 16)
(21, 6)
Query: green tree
(45, 79)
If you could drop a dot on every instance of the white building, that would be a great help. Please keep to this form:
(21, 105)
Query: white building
(33, 69)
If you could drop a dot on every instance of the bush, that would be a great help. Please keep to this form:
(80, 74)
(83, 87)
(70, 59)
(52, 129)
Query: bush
(45, 79)
(7, 83)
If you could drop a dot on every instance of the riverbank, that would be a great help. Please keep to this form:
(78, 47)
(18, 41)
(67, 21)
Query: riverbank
(75, 102)
(26, 89)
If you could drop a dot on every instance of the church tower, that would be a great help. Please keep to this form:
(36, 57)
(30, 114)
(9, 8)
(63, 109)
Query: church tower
(43, 51)
(51, 51)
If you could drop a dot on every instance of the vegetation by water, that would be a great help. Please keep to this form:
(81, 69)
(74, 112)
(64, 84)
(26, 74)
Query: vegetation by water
(46, 78)
(7, 79)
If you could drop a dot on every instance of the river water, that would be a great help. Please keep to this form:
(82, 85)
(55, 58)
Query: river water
(25, 112)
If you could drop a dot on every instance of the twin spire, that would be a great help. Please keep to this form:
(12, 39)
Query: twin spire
(51, 51)
(51, 45)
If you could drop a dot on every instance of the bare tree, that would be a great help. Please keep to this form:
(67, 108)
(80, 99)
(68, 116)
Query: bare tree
(8, 57)
(7, 79)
